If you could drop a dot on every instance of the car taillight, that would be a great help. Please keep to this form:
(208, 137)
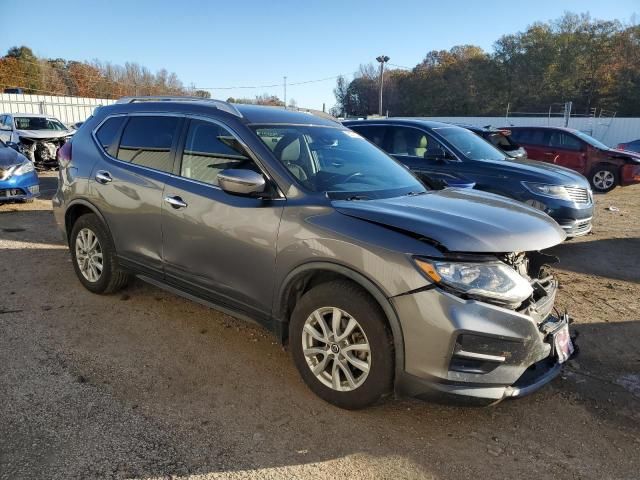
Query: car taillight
(64, 154)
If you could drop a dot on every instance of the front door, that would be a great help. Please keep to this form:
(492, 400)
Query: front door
(567, 151)
(425, 156)
(217, 245)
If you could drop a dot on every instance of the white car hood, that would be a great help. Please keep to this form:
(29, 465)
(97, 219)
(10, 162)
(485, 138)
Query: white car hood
(38, 134)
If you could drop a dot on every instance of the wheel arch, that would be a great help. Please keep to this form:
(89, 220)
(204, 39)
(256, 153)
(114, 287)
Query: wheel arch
(304, 277)
(75, 210)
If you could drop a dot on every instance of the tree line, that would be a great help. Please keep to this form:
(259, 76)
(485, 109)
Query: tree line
(593, 63)
(20, 68)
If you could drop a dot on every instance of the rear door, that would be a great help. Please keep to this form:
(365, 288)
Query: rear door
(127, 182)
(217, 245)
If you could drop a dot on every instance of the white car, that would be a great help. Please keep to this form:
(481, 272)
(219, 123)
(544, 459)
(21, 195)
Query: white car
(37, 136)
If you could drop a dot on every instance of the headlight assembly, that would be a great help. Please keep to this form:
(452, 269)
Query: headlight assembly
(494, 281)
(554, 191)
(26, 167)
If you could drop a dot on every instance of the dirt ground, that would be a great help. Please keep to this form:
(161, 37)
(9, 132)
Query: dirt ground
(145, 384)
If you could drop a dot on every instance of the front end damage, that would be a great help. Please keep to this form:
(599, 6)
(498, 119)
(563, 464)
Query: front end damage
(43, 152)
(483, 352)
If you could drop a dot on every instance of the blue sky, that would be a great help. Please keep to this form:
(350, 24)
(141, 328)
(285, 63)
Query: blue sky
(247, 43)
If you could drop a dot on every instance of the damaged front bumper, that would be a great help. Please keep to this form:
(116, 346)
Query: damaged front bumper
(19, 188)
(473, 352)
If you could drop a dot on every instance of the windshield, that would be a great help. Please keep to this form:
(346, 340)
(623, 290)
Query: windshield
(38, 123)
(590, 140)
(338, 162)
(471, 145)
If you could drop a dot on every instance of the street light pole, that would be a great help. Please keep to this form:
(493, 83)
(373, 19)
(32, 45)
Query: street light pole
(285, 92)
(382, 59)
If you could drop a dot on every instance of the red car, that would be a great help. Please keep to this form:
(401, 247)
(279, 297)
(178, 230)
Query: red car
(604, 167)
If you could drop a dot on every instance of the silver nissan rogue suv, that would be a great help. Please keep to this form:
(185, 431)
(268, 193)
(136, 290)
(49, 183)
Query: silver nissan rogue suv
(375, 283)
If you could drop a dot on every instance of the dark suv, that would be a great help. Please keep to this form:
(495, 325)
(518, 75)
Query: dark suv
(444, 153)
(300, 224)
(605, 167)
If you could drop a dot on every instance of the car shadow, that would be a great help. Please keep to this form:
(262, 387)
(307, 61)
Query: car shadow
(615, 258)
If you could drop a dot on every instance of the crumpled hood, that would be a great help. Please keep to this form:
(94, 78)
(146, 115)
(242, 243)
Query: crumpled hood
(9, 157)
(462, 220)
(41, 134)
(633, 156)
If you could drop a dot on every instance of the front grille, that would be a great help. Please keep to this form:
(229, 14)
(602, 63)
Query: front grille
(578, 195)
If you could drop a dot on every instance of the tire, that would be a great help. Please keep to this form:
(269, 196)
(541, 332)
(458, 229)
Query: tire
(110, 276)
(364, 387)
(603, 178)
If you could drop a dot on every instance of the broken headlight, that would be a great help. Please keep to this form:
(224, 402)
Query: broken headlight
(495, 281)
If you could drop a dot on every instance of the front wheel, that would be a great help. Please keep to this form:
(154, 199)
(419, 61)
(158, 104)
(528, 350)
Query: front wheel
(603, 178)
(341, 345)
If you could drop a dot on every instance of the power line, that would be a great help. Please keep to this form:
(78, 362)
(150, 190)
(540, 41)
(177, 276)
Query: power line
(239, 87)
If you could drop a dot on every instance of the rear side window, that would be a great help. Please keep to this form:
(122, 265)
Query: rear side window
(209, 149)
(147, 141)
(107, 132)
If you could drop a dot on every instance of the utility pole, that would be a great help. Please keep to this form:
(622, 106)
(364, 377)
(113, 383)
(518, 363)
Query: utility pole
(382, 59)
(285, 92)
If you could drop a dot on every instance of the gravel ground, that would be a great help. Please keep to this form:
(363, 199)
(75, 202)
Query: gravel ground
(147, 385)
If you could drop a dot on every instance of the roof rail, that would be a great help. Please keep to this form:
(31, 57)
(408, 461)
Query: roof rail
(219, 104)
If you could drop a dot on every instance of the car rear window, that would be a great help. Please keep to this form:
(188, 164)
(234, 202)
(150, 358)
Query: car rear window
(107, 132)
(147, 141)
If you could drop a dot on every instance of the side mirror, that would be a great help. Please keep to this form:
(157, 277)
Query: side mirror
(241, 182)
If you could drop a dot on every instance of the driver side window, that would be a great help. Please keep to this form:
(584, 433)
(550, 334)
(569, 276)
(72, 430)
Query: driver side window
(209, 149)
(411, 142)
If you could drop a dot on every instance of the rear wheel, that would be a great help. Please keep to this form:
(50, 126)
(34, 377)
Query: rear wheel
(603, 178)
(341, 346)
(94, 258)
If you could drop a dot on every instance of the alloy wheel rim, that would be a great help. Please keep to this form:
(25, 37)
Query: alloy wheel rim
(89, 255)
(336, 349)
(603, 179)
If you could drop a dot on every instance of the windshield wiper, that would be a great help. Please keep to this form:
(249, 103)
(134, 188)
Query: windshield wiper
(357, 197)
(414, 194)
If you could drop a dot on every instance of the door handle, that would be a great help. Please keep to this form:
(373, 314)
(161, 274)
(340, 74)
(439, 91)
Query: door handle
(176, 202)
(103, 177)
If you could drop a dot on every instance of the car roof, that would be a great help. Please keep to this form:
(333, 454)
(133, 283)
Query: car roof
(34, 115)
(248, 114)
(272, 114)
(421, 122)
(564, 129)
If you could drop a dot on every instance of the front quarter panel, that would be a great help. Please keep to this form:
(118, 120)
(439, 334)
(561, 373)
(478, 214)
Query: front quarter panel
(320, 234)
